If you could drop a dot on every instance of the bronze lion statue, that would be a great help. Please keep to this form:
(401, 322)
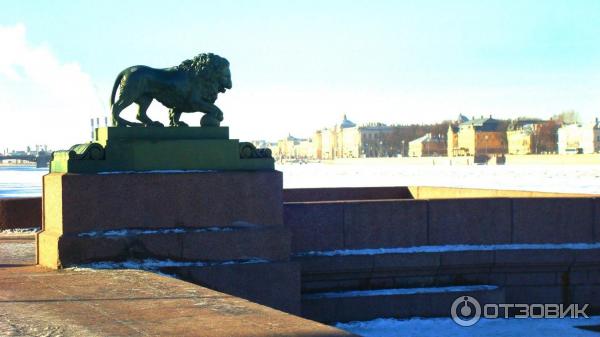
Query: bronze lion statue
(192, 86)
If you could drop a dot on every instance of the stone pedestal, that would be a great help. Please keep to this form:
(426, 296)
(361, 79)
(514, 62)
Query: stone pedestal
(199, 216)
(208, 207)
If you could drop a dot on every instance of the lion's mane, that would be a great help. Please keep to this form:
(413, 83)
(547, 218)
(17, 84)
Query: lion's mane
(204, 66)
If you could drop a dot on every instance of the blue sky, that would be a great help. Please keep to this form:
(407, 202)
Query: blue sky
(302, 64)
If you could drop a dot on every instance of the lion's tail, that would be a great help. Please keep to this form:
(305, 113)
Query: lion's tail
(114, 89)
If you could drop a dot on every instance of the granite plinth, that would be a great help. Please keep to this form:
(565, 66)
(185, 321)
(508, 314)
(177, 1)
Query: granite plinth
(271, 243)
(87, 207)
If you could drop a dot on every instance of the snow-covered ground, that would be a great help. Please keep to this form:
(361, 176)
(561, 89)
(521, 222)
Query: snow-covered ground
(436, 327)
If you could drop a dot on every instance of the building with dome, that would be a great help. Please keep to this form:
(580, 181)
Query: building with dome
(343, 140)
(348, 140)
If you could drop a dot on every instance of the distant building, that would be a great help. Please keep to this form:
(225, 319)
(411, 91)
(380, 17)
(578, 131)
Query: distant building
(523, 136)
(344, 140)
(578, 138)
(347, 140)
(520, 141)
(452, 141)
(427, 146)
(477, 137)
(373, 140)
(452, 136)
(292, 147)
(317, 140)
(328, 143)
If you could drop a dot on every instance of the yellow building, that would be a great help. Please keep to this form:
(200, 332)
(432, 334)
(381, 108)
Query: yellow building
(317, 144)
(294, 148)
(328, 144)
(350, 144)
(478, 137)
(520, 135)
(452, 141)
(519, 141)
(452, 149)
(345, 140)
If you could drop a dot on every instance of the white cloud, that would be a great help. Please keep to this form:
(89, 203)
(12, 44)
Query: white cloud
(42, 99)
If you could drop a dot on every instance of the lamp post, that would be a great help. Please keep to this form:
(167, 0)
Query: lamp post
(402, 153)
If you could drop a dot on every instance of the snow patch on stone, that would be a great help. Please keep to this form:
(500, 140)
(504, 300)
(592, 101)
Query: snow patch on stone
(154, 264)
(19, 231)
(399, 291)
(156, 171)
(133, 232)
(452, 248)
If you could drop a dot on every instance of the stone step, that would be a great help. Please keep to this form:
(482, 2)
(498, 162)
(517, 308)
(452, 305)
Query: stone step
(360, 305)
(276, 284)
(508, 265)
(238, 242)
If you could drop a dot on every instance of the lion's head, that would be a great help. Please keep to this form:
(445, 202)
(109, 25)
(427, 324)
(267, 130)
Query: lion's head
(212, 70)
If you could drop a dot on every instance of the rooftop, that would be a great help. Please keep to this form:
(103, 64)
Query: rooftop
(346, 123)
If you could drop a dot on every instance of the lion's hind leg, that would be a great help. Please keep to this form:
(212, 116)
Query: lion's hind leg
(116, 110)
(142, 116)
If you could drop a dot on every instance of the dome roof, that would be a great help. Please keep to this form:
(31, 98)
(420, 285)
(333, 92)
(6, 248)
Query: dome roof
(346, 123)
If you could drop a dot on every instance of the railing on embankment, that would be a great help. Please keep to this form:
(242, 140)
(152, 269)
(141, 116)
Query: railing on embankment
(20, 213)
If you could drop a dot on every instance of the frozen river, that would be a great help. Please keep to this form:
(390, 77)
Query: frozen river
(21, 181)
(26, 181)
(547, 178)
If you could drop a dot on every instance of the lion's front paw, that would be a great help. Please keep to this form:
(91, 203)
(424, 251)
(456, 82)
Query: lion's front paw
(208, 120)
